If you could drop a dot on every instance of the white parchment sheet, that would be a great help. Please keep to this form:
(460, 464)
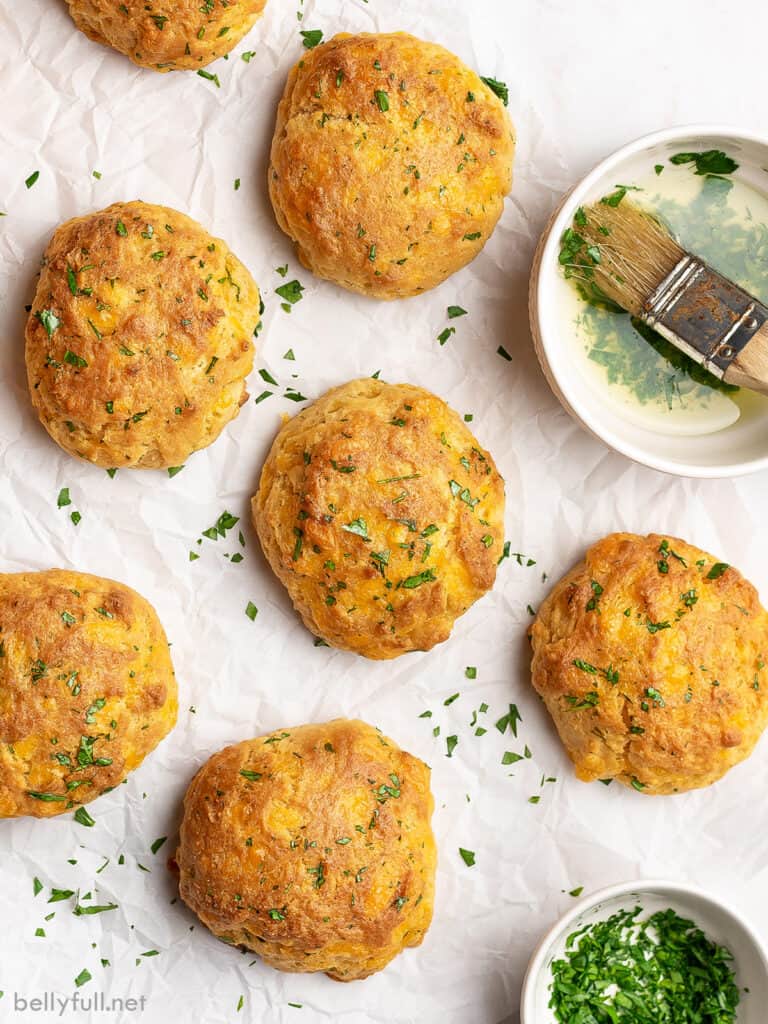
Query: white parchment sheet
(584, 78)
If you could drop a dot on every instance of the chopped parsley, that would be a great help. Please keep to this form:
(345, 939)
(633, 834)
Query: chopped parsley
(585, 666)
(312, 37)
(82, 817)
(411, 582)
(359, 527)
(49, 320)
(589, 700)
(500, 88)
(290, 292)
(655, 627)
(711, 161)
(633, 970)
(653, 694)
(75, 360)
(597, 593)
(209, 77)
(510, 721)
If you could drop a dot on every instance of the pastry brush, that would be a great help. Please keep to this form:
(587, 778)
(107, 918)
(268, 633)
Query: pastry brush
(635, 262)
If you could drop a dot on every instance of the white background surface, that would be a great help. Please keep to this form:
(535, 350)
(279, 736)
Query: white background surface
(584, 78)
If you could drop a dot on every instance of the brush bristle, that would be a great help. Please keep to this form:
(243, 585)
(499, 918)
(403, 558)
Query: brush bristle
(635, 252)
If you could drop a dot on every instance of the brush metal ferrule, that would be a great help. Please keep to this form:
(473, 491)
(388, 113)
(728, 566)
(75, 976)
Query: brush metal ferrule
(703, 313)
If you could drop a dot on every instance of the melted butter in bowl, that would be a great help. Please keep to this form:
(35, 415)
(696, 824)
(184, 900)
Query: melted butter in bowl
(619, 379)
(725, 222)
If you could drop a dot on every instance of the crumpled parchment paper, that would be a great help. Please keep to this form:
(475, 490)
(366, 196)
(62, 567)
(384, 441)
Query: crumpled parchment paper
(583, 79)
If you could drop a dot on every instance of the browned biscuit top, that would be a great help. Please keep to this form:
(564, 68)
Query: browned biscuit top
(140, 336)
(390, 163)
(650, 656)
(87, 689)
(313, 847)
(382, 515)
(167, 35)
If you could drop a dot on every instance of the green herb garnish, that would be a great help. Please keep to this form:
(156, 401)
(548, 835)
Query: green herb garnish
(500, 88)
(311, 37)
(629, 970)
(291, 292)
(711, 161)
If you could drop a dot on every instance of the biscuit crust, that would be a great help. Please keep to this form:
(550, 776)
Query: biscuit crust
(140, 337)
(87, 689)
(650, 656)
(382, 516)
(390, 163)
(167, 35)
(313, 847)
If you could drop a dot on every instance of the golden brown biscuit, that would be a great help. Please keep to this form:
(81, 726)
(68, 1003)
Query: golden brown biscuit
(87, 689)
(382, 515)
(140, 337)
(312, 847)
(650, 656)
(390, 163)
(167, 35)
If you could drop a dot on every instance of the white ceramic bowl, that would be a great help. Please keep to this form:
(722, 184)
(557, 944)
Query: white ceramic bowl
(720, 923)
(738, 449)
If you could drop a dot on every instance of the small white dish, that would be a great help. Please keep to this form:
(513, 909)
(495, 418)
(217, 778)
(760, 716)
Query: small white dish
(736, 450)
(721, 924)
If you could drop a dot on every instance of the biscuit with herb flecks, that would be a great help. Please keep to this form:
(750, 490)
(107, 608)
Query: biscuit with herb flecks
(312, 847)
(140, 337)
(167, 35)
(382, 515)
(650, 655)
(390, 162)
(87, 689)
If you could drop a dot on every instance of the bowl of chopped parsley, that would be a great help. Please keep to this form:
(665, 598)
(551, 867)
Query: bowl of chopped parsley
(648, 953)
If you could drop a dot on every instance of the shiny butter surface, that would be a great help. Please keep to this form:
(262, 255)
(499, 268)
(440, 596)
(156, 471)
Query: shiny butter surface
(87, 689)
(313, 847)
(390, 163)
(140, 336)
(167, 35)
(382, 515)
(651, 658)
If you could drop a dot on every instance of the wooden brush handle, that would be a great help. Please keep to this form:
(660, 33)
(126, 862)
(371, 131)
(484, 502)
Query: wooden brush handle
(750, 367)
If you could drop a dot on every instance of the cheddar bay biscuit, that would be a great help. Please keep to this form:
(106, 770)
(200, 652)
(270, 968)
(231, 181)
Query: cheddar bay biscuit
(140, 336)
(382, 515)
(87, 689)
(390, 163)
(651, 657)
(312, 846)
(167, 35)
